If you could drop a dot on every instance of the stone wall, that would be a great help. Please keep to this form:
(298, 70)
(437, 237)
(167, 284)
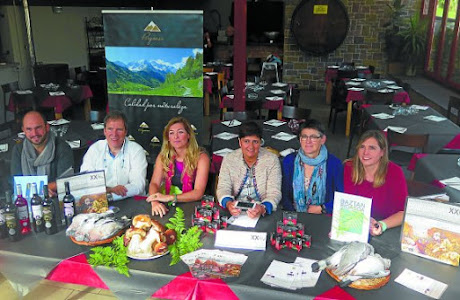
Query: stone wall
(363, 45)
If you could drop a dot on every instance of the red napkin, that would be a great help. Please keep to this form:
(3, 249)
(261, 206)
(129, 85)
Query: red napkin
(76, 270)
(336, 293)
(186, 287)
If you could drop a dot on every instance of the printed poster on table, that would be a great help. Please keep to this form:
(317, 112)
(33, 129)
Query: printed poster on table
(350, 218)
(431, 230)
(154, 63)
(88, 189)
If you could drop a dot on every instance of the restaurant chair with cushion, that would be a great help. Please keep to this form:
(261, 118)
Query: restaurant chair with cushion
(402, 146)
(338, 102)
(375, 97)
(269, 72)
(240, 115)
(454, 103)
(292, 112)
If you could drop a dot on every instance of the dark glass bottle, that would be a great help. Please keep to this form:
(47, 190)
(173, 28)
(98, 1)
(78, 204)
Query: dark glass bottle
(11, 218)
(49, 212)
(37, 210)
(69, 205)
(3, 228)
(23, 211)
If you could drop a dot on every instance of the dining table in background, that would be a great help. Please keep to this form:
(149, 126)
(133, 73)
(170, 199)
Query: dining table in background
(435, 167)
(332, 72)
(267, 131)
(221, 67)
(55, 257)
(58, 97)
(357, 90)
(272, 95)
(441, 133)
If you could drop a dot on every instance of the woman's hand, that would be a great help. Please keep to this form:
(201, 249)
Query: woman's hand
(315, 209)
(375, 228)
(256, 211)
(160, 197)
(159, 209)
(232, 209)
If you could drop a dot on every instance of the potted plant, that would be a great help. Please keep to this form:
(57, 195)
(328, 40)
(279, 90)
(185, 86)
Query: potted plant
(393, 42)
(414, 43)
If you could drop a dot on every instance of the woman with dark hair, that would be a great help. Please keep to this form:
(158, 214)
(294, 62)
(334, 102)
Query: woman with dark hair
(250, 174)
(181, 169)
(370, 174)
(311, 175)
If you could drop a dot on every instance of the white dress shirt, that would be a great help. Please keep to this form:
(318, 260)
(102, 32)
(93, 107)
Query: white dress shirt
(127, 168)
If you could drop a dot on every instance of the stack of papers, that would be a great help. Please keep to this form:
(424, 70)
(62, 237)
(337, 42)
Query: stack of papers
(97, 126)
(4, 148)
(223, 152)
(231, 123)
(274, 122)
(286, 152)
(396, 128)
(420, 107)
(383, 116)
(58, 122)
(58, 93)
(243, 220)
(356, 89)
(277, 92)
(274, 98)
(291, 276)
(74, 144)
(422, 284)
(453, 182)
(226, 136)
(25, 92)
(283, 136)
(279, 84)
(434, 118)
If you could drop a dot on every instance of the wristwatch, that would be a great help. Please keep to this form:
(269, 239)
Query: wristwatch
(173, 203)
(323, 209)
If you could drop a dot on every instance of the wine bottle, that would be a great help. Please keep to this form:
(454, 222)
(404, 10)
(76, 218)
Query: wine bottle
(49, 212)
(23, 212)
(11, 218)
(3, 228)
(69, 205)
(37, 210)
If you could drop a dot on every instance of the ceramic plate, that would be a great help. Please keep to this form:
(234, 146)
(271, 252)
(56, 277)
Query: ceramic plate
(147, 258)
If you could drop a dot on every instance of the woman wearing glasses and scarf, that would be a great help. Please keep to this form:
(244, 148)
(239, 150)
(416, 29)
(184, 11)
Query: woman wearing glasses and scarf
(181, 169)
(311, 175)
(250, 174)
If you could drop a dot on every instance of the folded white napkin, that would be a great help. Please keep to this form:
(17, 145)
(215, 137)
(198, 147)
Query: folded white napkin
(358, 79)
(58, 93)
(4, 148)
(283, 136)
(226, 136)
(356, 89)
(21, 135)
(211, 73)
(435, 118)
(274, 122)
(286, 152)
(388, 81)
(97, 126)
(74, 144)
(231, 123)
(394, 87)
(24, 92)
(274, 98)
(223, 152)
(279, 84)
(231, 96)
(396, 129)
(353, 83)
(383, 116)
(277, 92)
(385, 91)
(420, 107)
(250, 83)
(333, 67)
(58, 122)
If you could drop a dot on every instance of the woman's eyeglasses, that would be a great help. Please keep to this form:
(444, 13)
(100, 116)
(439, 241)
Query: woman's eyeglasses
(313, 138)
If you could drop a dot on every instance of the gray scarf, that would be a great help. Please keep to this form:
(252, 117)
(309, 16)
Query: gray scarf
(37, 165)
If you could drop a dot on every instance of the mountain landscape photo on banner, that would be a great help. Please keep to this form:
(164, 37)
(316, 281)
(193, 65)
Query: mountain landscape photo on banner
(155, 71)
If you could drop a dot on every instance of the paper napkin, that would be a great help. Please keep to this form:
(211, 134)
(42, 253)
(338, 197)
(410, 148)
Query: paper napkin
(274, 98)
(286, 152)
(274, 122)
(435, 118)
(383, 116)
(283, 136)
(58, 93)
(396, 128)
(223, 152)
(74, 144)
(230, 96)
(356, 89)
(58, 122)
(25, 92)
(279, 84)
(277, 92)
(231, 123)
(419, 107)
(226, 136)
(97, 126)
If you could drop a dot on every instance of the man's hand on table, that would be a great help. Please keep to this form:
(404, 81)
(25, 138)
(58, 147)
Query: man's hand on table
(119, 190)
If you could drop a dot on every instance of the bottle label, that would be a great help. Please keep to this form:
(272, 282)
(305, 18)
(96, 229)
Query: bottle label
(23, 214)
(37, 211)
(47, 216)
(11, 224)
(69, 210)
(2, 217)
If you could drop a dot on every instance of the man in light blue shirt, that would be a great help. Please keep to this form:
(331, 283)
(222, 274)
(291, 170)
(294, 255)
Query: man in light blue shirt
(123, 161)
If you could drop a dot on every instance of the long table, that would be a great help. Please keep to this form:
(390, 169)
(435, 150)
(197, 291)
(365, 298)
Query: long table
(440, 133)
(29, 260)
(435, 167)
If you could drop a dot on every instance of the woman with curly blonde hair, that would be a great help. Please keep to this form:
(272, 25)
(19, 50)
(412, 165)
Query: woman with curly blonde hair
(181, 169)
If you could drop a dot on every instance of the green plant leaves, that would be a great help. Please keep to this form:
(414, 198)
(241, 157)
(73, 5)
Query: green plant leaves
(111, 256)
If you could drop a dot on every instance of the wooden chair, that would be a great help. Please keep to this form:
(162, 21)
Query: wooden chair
(402, 157)
(292, 112)
(338, 102)
(454, 102)
(375, 97)
(207, 69)
(240, 115)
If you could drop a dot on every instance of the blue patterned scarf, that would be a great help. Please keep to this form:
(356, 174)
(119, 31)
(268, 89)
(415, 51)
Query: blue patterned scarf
(316, 193)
